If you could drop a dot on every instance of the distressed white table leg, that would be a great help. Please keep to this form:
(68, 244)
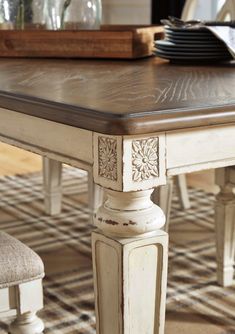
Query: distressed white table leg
(162, 196)
(130, 264)
(182, 190)
(52, 173)
(225, 225)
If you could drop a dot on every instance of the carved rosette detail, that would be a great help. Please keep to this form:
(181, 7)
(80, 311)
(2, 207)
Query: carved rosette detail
(107, 158)
(145, 159)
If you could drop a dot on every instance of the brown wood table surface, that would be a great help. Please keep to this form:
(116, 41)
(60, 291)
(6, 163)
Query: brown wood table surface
(120, 97)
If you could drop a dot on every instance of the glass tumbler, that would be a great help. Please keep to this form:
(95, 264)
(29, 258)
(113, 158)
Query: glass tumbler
(22, 14)
(74, 14)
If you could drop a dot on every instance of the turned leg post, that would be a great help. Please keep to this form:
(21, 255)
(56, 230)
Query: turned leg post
(52, 173)
(225, 225)
(130, 264)
(27, 323)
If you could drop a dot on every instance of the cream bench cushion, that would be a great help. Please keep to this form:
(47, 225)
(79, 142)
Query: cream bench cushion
(18, 263)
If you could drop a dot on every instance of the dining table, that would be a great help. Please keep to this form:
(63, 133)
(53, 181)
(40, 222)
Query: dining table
(131, 124)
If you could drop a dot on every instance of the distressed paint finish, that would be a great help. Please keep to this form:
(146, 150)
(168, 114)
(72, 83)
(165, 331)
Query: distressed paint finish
(129, 163)
(129, 213)
(130, 248)
(107, 157)
(123, 305)
(145, 159)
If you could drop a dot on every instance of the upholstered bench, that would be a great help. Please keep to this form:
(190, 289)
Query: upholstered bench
(21, 273)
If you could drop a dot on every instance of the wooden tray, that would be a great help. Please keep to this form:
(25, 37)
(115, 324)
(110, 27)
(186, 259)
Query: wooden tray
(109, 42)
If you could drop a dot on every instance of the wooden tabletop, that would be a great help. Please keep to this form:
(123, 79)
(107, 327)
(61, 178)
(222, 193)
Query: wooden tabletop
(119, 97)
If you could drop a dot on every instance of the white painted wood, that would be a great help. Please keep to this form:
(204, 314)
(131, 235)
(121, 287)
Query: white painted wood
(52, 174)
(95, 195)
(143, 153)
(162, 196)
(69, 160)
(30, 296)
(27, 323)
(129, 163)
(181, 186)
(121, 265)
(7, 299)
(225, 225)
(23, 300)
(130, 213)
(52, 180)
(51, 136)
(200, 148)
(227, 12)
(108, 162)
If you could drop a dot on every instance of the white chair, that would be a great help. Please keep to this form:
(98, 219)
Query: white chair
(21, 273)
(227, 12)
(52, 184)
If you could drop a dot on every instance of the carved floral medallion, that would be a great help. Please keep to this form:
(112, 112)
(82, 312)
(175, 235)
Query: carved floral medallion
(145, 159)
(107, 158)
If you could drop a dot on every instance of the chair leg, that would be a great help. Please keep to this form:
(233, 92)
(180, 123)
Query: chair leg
(182, 190)
(29, 300)
(95, 195)
(52, 172)
(225, 225)
(162, 196)
(27, 323)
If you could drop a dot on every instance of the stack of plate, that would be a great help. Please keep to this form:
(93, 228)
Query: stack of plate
(191, 44)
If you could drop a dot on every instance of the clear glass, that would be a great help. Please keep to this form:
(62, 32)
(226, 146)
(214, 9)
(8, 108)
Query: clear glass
(74, 14)
(22, 14)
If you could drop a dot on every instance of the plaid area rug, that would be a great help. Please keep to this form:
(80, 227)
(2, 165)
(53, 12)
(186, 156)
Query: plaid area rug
(195, 303)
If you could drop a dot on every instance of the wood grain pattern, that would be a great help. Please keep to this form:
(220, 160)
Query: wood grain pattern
(120, 97)
(109, 42)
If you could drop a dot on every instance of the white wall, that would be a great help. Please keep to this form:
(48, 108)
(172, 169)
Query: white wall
(207, 9)
(126, 11)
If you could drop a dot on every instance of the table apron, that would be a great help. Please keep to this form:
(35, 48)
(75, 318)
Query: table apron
(199, 149)
(57, 141)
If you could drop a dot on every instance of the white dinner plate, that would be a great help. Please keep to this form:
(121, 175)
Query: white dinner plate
(175, 45)
(192, 53)
(190, 58)
(211, 37)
